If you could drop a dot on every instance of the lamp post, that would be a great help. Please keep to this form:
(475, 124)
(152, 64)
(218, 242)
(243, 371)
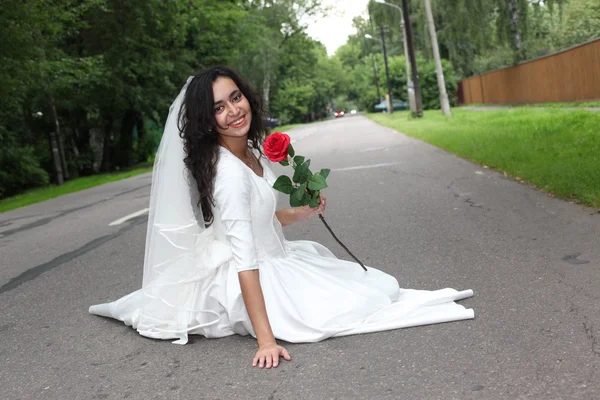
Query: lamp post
(387, 72)
(409, 82)
(409, 54)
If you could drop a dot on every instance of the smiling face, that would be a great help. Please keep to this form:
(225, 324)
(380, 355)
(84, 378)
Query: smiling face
(231, 109)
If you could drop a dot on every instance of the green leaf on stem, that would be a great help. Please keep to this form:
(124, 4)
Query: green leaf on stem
(285, 163)
(284, 184)
(295, 202)
(317, 182)
(298, 160)
(302, 172)
(315, 200)
(325, 172)
(305, 199)
(299, 193)
(291, 151)
(300, 197)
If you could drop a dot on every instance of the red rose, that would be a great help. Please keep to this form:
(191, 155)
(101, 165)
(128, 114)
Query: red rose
(276, 146)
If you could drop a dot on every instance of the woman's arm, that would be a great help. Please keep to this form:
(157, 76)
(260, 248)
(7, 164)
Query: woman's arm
(268, 351)
(288, 216)
(232, 198)
(255, 305)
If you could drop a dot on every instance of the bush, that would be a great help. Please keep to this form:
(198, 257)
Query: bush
(429, 87)
(292, 102)
(368, 100)
(20, 170)
(430, 94)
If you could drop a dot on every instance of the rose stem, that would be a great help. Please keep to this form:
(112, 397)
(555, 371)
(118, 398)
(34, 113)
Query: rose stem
(341, 244)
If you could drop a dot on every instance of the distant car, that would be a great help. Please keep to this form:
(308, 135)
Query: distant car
(272, 122)
(339, 114)
(397, 105)
(353, 112)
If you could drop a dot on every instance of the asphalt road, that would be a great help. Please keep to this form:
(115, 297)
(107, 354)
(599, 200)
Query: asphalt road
(429, 218)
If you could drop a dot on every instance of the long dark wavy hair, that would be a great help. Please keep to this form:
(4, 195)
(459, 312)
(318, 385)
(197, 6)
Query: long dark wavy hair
(198, 129)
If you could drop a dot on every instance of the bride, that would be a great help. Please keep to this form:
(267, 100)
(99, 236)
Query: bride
(217, 262)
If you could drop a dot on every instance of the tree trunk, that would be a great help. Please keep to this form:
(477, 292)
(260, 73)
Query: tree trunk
(390, 105)
(438, 63)
(61, 148)
(58, 153)
(58, 172)
(376, 78)
(139, 123)
(125, 151)
(514, 29)
(96, 143)
(413, 61)
(75, 135)
(106, 153)
(410, 87)
(266, 82)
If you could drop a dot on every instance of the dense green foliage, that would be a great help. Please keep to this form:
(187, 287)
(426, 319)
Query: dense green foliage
(86, 84)
(481, 35)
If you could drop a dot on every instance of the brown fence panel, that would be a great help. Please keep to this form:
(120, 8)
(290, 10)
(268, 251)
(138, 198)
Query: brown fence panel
(571, 75)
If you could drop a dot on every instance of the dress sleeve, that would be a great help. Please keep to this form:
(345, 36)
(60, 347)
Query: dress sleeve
(232, 198)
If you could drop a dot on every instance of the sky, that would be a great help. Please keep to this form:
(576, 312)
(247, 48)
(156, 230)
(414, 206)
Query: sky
(333, 30)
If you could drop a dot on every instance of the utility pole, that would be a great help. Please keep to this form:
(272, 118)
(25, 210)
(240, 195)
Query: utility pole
(413, 61)
(387, 73)
(438, 63)
(409, 84)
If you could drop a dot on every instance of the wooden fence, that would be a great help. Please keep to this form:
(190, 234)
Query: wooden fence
(570, 75)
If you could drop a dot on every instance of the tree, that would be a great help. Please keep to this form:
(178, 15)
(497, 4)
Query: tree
(272, 24)
(580, 23)
(86, 84)
(438, 64)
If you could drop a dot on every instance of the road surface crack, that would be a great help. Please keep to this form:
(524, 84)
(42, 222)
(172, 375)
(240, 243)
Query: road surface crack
(589, 331)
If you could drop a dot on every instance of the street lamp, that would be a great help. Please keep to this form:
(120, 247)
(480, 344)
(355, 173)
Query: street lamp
(413, 88)
(387, 71)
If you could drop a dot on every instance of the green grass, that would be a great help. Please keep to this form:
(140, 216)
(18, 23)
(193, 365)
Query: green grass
(52, 191)
(573, 104)
(285, 128)
(557, 151)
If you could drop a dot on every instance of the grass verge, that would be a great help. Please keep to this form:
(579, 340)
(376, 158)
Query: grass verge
(557, 151)
(574, 104)
(284, 128)
(41, 194)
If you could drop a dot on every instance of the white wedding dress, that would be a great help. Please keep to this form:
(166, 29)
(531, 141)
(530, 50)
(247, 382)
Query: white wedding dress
(310, 295)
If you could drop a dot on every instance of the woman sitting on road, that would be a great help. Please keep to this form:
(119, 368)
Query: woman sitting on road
(217, 262)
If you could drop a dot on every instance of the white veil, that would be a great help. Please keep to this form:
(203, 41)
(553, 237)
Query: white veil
(181, 253)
